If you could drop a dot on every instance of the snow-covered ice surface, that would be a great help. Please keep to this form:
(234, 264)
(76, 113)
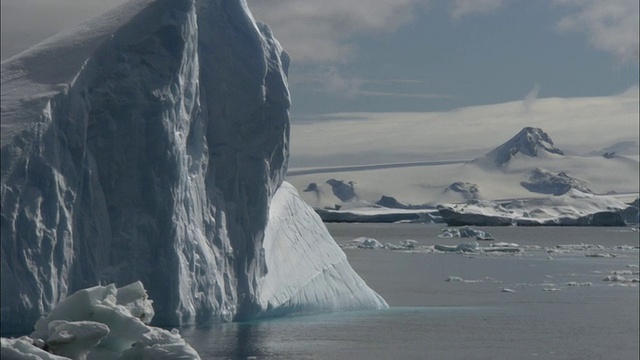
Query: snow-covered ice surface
(146, 145)
(573, 208)
(309, 272)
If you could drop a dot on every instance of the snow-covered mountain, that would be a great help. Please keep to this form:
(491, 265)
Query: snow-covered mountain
(146, 145)
(529, 165)
(530, 141)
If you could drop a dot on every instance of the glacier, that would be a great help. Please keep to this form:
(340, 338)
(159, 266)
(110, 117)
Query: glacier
(151, 144)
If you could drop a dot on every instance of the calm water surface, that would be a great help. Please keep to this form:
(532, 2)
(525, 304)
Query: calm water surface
(431, 318)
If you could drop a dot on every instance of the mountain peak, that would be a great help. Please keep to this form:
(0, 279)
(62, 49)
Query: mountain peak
(530, 142)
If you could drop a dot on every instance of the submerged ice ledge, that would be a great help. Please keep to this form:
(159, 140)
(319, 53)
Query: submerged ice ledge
(147, 145)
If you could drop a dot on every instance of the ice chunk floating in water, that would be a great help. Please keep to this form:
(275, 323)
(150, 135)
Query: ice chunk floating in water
(101, 322)
(147, 145)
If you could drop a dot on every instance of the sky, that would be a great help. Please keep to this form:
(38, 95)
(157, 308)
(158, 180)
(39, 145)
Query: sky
(414, 55)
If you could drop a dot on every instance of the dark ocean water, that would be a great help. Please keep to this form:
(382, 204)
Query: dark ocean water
(561, 307)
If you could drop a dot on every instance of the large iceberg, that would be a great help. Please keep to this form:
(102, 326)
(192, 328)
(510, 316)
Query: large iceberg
(146, 145)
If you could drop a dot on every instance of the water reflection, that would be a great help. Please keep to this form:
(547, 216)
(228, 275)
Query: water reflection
(233, 341)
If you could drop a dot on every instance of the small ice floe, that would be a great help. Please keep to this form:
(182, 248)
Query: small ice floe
(465, 232)
(633, 266)
(507, 290)
(502, 247)
(407, 245)
(620, 279)
(460, 248)
(622, 272)
(459, 279)
(626, 247)
(551, 289)
(580, 247)
(601, 255)
(504, 244)
(574, 283)
(366, 243)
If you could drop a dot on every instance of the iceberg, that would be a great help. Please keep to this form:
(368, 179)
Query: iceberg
(149, 144)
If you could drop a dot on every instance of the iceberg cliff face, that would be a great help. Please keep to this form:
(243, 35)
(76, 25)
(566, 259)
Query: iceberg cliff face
(145, 145)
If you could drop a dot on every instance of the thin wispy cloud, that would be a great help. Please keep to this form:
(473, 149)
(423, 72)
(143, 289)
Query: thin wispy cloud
(611, 26)
(332, 81)
(321, 31)
(462, 8)
(531, 98)
(403, 95)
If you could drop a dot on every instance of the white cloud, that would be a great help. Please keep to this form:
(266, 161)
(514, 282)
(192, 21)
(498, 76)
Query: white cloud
(531, 98)
(427, 95)
(331, 80)
(461, 133)
(610, 25)
(463, 8)
(320, 31)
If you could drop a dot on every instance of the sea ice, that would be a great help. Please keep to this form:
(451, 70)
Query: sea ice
(367, 243)
(459, 279)
(465, 232)
(464, 247)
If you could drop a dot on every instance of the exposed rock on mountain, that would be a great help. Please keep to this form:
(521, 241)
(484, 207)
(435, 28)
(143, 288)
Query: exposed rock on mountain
(530, 141)
(467, 190)
(545, 182)
(343, 191)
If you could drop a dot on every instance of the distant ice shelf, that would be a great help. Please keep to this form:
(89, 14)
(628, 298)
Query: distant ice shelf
(574, 208)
